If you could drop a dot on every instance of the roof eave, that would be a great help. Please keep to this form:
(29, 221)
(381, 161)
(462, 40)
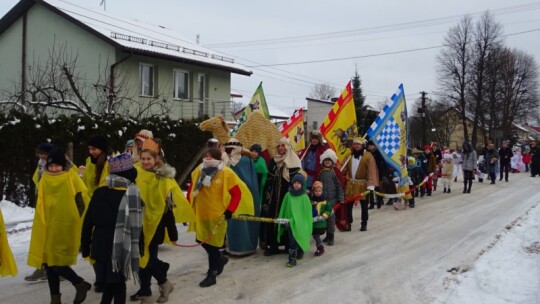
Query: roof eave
(137, 51)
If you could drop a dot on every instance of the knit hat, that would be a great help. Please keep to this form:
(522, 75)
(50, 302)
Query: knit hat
(317, 184)
(121, 162)
(129, 143)
(45, 147)
(99, 142)
(57, 156)
(427, 147)
(144, 135)
(150, 144)
(257, 148)
(233, 143)
(370, 143)
(298, 178)
(328, 154)
(411, 161)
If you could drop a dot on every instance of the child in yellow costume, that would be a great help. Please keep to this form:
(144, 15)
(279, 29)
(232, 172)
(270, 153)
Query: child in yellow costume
(216, 192)
(165, 205)
(56, 231)
(97, 169)
(7, 262)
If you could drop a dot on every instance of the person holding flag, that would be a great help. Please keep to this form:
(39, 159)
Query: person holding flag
(311, 160)
(360, 174)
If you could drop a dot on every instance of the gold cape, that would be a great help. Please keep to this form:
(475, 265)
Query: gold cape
(154, 191)
(211, 202)
(56, 231)
(7, 262)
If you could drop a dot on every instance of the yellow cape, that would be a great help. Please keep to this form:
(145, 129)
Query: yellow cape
(7, 262)
(154, 191)
(90, 176)
(56, 231)
(211, 202)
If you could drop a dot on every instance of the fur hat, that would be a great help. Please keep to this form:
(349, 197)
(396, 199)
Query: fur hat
(317, 184)
(411, 161)
(233, 143)
(57, 156)
(298, 178)
(99, 142)
(121, 162)
(359, 140)
(257, 148)
(150, 144)
(45, 147)
(315, 134)
(144, 135)
(328, 154)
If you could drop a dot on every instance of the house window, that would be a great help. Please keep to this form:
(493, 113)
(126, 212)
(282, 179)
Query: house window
(146, 80)
(201, 93)
(181, 84)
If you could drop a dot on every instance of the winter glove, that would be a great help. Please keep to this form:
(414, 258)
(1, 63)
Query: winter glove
(227, 214)
(371, 188)
(80, 203)
(318, 218)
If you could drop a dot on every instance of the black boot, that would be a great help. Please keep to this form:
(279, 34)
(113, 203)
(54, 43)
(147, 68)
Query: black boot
(209, 280)
(470, 185)
(223, 260)
(444, 191)
(465, 186)
(411, 203)
(448, 190)
(330, 239)
(363, 227)
(292, 258)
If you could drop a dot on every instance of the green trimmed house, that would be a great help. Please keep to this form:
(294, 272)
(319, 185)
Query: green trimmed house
(61, 57)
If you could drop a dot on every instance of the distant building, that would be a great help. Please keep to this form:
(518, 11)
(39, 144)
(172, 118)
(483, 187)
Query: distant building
(146, 63)
(317, 111)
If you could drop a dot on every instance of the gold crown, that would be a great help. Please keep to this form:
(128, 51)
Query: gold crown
(150, 144)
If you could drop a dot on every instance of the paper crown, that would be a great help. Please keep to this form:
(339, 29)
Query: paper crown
(150, 144)
(119, 163)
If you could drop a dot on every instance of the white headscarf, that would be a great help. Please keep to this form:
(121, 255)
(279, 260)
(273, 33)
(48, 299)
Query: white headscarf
(290, 159)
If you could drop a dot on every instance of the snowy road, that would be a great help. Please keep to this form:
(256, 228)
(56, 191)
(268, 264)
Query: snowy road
(402, 258)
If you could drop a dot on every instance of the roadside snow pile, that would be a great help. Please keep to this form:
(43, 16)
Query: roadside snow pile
(15, 215)
(508, 272)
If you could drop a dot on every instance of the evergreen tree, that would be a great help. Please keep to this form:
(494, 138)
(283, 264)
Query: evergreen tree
(362, 116)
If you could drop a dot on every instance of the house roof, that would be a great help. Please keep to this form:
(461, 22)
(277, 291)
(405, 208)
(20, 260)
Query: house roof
(319, 100)
(131, 35)
(520, 127)
(535, 129)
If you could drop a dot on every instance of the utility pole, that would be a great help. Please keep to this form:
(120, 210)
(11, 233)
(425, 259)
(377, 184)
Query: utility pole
(423, 111)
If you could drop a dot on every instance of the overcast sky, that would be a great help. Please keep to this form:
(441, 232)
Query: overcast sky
(362, 28)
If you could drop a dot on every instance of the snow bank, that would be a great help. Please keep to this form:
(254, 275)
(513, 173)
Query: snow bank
(508, 273)
(14, 214)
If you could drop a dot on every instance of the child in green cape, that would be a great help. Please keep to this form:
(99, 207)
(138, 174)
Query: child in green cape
(296, 207)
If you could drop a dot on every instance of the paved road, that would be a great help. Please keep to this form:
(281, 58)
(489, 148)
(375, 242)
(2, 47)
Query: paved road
(402, 258)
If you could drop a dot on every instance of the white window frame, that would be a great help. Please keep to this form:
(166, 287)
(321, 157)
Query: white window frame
(187, 82)
(201, 91)
(153, 76)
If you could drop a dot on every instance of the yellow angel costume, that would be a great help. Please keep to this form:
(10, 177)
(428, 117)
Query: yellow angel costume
(89, 176)
(210, 202)
(56, 231)
(154, 190)
(7, 262)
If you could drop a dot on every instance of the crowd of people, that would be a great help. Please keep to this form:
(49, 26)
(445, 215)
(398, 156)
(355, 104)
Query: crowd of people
(117, 209)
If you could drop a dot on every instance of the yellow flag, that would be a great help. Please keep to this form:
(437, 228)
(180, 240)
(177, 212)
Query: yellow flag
(293, 129)
(339, 127)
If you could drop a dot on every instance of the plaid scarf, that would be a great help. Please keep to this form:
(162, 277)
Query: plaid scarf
(125, 254)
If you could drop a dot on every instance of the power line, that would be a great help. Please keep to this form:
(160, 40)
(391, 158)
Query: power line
(377, 54)
(375, 29)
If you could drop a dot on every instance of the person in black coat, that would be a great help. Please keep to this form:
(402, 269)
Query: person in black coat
(535, 159)
(384, 179)
(99, 229)
(505, 155)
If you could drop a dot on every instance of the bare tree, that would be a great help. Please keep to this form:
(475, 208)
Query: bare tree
(58, 85)
(322, 91)
(487, 38)
(455, 62)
